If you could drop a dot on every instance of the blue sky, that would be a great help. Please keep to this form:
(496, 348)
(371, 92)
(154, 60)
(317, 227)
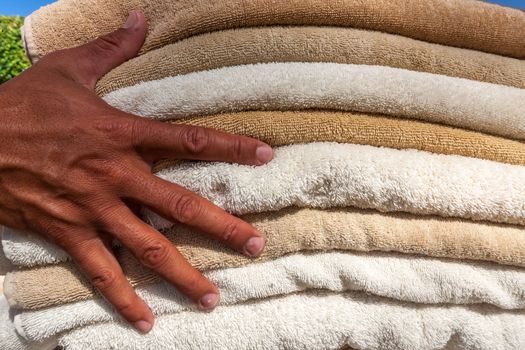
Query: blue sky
(25, 7)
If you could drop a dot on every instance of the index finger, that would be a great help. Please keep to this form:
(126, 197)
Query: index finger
(156, 140)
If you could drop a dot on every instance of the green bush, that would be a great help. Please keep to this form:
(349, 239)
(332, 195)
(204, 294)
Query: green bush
(12, 57)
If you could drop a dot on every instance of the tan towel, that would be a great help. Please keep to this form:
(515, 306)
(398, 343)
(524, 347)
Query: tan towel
(461, 23)
(312, 44)
(287, 128)
(288, 231)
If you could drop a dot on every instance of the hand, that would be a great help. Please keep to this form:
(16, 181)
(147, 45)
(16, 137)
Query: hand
(70, 164)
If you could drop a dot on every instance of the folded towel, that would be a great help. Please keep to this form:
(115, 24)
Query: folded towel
(283, 128)
(396, 276)
(324, 175)
(11, 340)
(490, 108)
(286, 128)
(23, 249)
(462, 23)
(312, 44)
(317, 321)
(289, 231)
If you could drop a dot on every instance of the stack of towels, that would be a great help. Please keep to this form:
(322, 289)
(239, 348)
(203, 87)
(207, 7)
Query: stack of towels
(394, 208)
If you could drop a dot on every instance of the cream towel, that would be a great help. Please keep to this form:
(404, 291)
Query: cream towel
(324, 175)
(312, 44)
(462, 23)
(317, 321)
(490, 108)
(396, 276)
(290, 231)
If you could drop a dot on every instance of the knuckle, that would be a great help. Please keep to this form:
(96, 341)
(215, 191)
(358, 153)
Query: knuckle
(126, 304)
(58, 233)
(109, 45)
(237, 148)
(104, 279)
(155, 255)
(107, 171)
(114, 128)
(195, 140)
(231, 231)
(185, 208)
(192, 283)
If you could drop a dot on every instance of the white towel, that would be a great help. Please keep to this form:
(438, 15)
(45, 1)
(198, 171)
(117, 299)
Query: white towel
(317, 321)
(325, 175)
(396, 276)
(495, 109)
(23, 249)
(10, 340)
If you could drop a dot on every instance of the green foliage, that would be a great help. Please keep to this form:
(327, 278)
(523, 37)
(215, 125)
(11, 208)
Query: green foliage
(12, 57)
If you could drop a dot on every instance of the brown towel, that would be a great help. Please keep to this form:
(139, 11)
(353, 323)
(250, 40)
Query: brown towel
(312, 44)
(287, 128)
(288, 231)
(462, 23)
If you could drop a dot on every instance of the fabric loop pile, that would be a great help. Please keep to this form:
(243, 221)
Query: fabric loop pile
(394, 208)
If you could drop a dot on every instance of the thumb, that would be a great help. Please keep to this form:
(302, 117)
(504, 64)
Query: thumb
(90, 62)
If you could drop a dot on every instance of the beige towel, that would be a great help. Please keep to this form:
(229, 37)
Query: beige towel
(461, 23)
(288, 231)
(286, 128)
(312, 44)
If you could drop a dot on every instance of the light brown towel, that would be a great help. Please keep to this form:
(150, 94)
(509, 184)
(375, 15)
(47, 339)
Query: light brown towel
(288, 231)
(462, 23)
(312, 44)
(287, 128)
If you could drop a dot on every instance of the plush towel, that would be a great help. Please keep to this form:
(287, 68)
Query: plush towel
(400, 277)
(462, 23)
(23, 249)
(312, 44)
(490, 108)
(318, 321)
(326, 175)
(283, 128)
(286, 128)
(289, 231)
(11, 340)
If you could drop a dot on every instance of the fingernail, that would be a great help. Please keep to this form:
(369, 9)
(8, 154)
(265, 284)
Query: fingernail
(264, 154)
(132, 20)
(209, 301)
(143, 326)
(254, 246)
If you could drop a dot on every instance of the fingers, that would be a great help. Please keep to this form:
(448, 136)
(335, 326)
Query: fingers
(156, 140)
(88, 63)
(156, 252)
(180, 205)
(103, 270)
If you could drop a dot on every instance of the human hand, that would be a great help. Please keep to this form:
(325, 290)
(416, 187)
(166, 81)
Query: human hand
(70, 165)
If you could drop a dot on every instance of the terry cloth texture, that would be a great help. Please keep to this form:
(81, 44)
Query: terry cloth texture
(317, 321)
(461, 23)
(400, 277)
(324, 175)
(475, 105)
(312, 44)
(10, 339)
(283, 128)
(289, 231)
(22, 249)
